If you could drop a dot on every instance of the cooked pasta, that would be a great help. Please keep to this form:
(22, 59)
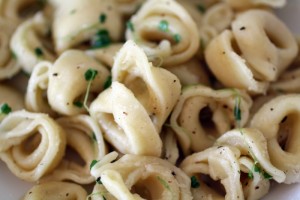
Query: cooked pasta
(148, 99)
(142, 177)
(241, 53)
(202, 115)
(27, 46)
(280, 128)
(31, 144)
(165, 30)
(85, 138)
(56, 190)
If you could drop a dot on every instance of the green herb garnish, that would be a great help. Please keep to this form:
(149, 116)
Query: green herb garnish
(237, 109)
(177, 38)
(164, 183)
(98, 180)
(201, 8)
(89, 76)
(13, 55)
(102, 18)
(101, 39)
(163, 26)
(108, 82)
(250, 174)
(93, 163)
(130, 26)
(38, 52)
(267, 176)
(194, 182)
(78, 104)
(5, 109)
(94, 136)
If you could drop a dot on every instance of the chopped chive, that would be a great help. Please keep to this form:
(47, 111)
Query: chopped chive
(267, 176)
(5, 109)
(13, 55)
(98, 180)
(78, 104)
(94, 136)
(38, 52)
(194, 182)
(101, 39)
(256, 168)
(250, 175)
(177, 38)
(163, 26)
(108, 82)
(93, 163)
(164, 183)
(237, 109)
(102, 18)
(130, 26)
(201, 8)
(90, 74)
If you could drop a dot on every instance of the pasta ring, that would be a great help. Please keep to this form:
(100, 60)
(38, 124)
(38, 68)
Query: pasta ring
(164, 29)
(28, 156)
(278, 121)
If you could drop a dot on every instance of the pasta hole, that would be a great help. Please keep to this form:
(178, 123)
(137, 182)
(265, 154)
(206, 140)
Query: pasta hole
(275, 40)
(205, 118)
(156, 37)
(73, 156)
(149, 188)
(215, 185)
(31, 143)
(29, 8)
(288, 133)
(236, 47)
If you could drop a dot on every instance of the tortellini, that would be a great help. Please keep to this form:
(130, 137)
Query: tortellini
(236, 152)
(255, 52)
(8, 63)
(27, 45)
(76, 21)
(132, 111)
(278, 121)
(164, 29)
(56, 190)
(141, 177)
(31, 144)
(67, 83)
(202, 115)
(85, 138)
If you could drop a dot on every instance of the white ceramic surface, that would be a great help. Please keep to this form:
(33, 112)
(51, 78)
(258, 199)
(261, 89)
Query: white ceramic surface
(12, 188)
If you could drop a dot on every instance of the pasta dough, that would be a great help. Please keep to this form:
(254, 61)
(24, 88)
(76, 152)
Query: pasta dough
(31, 144)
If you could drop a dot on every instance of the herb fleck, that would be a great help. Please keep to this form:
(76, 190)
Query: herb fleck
(108, 82)
(163, 26)
(102, 18)
(5, 109)
(98, 180)
(93, 163)
(194, 182)
(177, 38)
(101, 39)
(38, 52)
(90, 74)
(201, 8)
(78, 104)
(164, 183)
(130, 26)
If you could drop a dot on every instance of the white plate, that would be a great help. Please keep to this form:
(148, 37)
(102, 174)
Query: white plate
(12, 188)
